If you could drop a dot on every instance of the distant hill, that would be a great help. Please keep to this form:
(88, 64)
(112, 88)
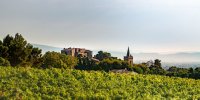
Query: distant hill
(181, 59)
(46, 48)
(176, 57)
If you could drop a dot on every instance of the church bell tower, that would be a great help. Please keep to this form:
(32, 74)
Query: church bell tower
(128, 57)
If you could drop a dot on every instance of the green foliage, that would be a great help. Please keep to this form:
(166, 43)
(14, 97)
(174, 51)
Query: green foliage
(18, 52)
(35, 57)
(57, 60)
(7, 40)
(157, 63)
(180, 72)
(196, 73)
(106, 64)
(154, 69)
(3, 51)
(137, 69)
(157, 68)
(102, 55)
(197, 69)
(109, 64)
(140, 68)
(85, 63)
(30, 83)
(184, 72)
(70, 61)
(4, 62)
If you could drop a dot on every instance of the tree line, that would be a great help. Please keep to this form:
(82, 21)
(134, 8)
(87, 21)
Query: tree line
(17, 52)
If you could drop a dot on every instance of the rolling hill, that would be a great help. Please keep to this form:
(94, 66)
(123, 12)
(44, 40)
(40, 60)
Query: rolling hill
(181, 59)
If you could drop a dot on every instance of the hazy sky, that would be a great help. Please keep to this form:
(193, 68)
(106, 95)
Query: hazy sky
(144, 25)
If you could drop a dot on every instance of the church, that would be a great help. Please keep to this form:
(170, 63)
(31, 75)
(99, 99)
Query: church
(128, 57)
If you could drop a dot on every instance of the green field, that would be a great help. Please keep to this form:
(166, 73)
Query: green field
(31, 83)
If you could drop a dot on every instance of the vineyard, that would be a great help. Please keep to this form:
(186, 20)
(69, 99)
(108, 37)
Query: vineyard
(31, 83)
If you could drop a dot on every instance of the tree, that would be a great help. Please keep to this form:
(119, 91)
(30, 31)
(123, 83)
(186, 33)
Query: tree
(157, 62)
(3, 51)
(4, 62)
(69, 60)
(144, 67)
(85, 63)
(157, 68)
(52, 59)
(109, 64)
(35, 56)
(18, 52)
(197, 70)
(180, 72)
(105, 65)
(191, 70)
(197, 73)
(102, 55)
(138, 70)
(7, 40)
(57, 60)
(4, 47)
(173, 69)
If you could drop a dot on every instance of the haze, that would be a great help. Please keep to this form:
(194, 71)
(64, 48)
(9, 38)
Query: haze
(161, 26)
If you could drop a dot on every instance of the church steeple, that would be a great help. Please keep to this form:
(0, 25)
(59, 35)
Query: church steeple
(128, 53)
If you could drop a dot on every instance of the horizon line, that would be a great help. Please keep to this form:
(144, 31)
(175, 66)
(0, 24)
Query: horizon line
(96, 50)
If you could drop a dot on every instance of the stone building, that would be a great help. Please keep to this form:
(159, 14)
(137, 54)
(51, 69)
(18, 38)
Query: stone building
(128, 57)
(77, 52)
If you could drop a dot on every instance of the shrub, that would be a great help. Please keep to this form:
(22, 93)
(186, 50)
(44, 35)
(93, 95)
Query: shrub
(4, 62)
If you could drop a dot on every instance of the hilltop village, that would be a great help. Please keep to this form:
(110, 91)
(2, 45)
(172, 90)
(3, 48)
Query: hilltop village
(82, 52)
(16, 52)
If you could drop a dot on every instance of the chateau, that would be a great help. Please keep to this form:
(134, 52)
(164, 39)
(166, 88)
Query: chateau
(75, 52)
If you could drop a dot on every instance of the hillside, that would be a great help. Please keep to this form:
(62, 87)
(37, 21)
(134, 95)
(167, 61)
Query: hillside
(46, 48)
(181, 59)
(27, 83)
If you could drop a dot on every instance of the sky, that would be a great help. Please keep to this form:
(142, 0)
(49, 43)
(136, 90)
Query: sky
(161, 26)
